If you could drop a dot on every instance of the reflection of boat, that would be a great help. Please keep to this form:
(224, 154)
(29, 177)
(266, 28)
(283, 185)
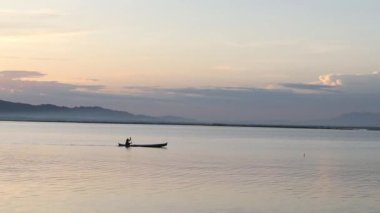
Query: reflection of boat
(159, 145)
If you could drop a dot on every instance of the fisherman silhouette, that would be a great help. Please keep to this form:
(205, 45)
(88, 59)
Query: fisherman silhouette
(128, 142)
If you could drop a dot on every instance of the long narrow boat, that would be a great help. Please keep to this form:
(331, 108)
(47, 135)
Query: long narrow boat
(159, 145)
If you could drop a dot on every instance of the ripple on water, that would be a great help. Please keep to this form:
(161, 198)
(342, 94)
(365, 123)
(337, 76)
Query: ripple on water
(248, 175)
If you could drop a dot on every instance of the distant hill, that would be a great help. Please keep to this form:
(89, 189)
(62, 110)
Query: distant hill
(11, 111)
(47, 112)
(347, 120)
(364, 119)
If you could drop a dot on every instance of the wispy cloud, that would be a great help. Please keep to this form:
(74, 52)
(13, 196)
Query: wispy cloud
(43, 12)
(27, 83)
(17, 75)
(10, 57)
(40, 33)
(39, 24)
(309, 87)
(308, 46)
(227, 68)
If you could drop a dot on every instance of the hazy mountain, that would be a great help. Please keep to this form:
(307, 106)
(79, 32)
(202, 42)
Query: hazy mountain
(365, 119)
(48, 112)
(354, 119)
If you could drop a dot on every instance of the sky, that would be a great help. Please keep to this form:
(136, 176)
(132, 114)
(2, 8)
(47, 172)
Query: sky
(232, 61)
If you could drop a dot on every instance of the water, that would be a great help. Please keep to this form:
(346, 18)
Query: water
(66, 167)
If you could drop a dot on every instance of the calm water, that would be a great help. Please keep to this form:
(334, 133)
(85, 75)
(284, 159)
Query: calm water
(62, 167)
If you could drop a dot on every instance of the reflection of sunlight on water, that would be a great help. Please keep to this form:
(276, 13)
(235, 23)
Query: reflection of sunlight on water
(201, 170)
(324, 184)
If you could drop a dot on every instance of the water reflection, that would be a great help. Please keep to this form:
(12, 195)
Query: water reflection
(78, 167)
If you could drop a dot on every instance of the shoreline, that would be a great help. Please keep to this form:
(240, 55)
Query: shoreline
(208, 124)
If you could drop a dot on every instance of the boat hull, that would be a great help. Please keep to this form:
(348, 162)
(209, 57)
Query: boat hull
(160, 145)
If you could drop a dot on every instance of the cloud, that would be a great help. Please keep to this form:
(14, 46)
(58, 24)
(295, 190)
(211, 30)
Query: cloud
(260, 105)
(309, 87)
(223, 93)
(343, 83)
(330, 80)
(16, 75)
(221, 104)
(330, 96)
(24, 84)
(353, 83)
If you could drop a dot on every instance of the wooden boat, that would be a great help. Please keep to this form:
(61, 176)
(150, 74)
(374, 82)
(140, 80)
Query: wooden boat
(159, 145)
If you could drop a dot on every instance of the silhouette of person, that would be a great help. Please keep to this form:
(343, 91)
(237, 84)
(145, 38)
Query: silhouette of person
(128, 142)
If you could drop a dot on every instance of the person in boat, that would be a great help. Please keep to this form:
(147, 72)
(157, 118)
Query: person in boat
(128, 142)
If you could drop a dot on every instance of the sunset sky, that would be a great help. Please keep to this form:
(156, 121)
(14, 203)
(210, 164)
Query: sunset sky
(236, 60)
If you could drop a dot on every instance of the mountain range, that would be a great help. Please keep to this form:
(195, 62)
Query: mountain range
(47, 112)
(363, 119)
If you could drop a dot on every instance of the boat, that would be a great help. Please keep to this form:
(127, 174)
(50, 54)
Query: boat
(158, 145)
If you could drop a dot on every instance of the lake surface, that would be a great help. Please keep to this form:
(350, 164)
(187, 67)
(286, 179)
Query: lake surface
(69, 167)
